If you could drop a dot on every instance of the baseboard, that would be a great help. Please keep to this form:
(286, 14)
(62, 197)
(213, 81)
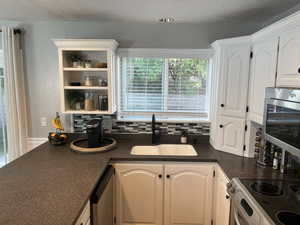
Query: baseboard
(34, 142)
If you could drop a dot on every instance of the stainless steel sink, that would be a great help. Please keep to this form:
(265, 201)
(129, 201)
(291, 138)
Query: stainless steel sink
(165, 150)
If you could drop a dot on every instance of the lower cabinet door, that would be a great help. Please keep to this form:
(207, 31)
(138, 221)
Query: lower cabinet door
(231, 135)
(188, 194)
(139, 194)
(222, 200)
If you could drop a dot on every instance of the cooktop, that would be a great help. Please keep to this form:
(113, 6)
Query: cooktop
(279, 198)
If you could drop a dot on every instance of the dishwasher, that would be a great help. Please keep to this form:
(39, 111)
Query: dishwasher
(102, 199)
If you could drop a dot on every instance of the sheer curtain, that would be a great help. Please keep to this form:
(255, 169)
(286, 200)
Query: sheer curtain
(15, 94)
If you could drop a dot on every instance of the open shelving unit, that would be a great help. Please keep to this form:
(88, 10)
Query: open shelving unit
(97, 52)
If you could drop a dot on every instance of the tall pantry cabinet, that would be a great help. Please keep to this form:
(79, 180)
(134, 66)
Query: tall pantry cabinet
(229, 99)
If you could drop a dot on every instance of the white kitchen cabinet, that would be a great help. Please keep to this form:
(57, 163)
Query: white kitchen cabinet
(85, 216)
(234, 80)
(263, 74)
(231, 133)
(181, 195)
(230, 76)
(81, 82)
(139, 194)
(221, 199)
(289, 59)
(188, 194)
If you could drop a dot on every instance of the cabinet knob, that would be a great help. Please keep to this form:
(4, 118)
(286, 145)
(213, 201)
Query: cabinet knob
(168, 176)
(222, 105)
(221, 126)
(159, 176)
(227, 197)
(299, 70)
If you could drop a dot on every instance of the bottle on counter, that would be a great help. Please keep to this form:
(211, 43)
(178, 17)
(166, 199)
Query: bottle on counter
(275, 161)
(183, 138)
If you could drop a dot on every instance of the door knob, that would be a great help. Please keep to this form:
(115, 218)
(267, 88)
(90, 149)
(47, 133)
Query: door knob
(221, 126)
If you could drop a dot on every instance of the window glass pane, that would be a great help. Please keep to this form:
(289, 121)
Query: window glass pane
(142, 84)
(164, 85)
(187, 80)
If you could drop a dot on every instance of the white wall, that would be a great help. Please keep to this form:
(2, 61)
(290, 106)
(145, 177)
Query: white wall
(41, 54)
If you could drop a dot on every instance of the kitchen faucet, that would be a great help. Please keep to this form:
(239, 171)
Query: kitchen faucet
(155, 131)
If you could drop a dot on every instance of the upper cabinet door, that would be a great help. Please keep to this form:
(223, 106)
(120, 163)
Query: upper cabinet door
(263, 74)
(139, 194)
(188, 194)
(234, 80)
(289, 60)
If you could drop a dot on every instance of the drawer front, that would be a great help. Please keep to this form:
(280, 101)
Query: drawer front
(84, 218)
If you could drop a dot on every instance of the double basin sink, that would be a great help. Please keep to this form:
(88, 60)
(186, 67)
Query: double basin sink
(165, 150)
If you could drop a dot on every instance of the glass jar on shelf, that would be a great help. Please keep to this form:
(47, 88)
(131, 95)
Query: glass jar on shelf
(88, 81)
(89, 104)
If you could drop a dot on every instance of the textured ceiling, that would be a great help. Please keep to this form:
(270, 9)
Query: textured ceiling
(183, 11)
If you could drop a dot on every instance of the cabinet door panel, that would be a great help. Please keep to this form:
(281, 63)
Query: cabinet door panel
(263, 74)
(188, 194)
(289, 60)
(139, 194)
(234, 81)
(222, 200)
(231, 135)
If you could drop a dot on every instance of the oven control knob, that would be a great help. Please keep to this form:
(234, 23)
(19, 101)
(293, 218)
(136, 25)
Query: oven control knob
(231, 190)
(229, 185)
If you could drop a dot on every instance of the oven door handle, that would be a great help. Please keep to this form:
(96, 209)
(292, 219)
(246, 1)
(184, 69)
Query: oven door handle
(236, 218)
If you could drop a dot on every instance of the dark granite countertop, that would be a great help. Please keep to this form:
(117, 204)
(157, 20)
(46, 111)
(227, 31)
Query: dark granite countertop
(51, 184)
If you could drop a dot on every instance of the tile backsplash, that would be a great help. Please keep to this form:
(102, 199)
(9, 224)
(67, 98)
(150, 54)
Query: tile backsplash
(112, 125)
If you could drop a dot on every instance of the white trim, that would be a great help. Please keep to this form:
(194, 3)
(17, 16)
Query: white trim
(35, 142)
(165, 53)
(86, 43)
(290, 22)
(229, 41)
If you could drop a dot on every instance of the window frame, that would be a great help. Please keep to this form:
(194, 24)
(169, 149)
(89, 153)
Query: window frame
(188, 117)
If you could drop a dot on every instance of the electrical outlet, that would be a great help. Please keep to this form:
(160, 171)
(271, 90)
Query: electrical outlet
(43, 122)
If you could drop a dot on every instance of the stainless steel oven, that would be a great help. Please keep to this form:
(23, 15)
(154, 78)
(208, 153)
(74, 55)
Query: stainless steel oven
(244, 209)
(282, 118)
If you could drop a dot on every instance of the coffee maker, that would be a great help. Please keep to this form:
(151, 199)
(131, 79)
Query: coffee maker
(94, 131)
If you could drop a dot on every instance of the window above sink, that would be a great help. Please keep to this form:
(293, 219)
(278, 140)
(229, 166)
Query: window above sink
(173, 84)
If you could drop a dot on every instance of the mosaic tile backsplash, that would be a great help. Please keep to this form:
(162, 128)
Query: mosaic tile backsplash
(112, 125)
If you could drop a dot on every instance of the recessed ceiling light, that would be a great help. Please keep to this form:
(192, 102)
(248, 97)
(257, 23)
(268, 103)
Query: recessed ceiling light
(166, 20)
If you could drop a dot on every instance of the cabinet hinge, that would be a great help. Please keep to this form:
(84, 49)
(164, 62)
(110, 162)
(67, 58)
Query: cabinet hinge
(214, 173)
(244, 148)
(251, 55)
(246, 127)
(115, 220)
(247, 108)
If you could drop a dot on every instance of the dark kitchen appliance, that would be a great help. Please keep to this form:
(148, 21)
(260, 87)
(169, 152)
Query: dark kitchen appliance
(282, 118)
(94, 132)
(264, 202)
(102, 199)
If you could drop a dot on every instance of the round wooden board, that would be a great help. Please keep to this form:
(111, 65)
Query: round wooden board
(77, 148)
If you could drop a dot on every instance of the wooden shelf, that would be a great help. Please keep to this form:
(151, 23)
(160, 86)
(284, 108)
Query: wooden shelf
(85, 88)
(85, 69)
(86, 112)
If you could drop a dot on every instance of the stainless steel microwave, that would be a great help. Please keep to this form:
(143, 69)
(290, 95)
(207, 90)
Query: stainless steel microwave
(282, 118)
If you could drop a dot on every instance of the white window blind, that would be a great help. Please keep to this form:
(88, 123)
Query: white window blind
(167, 86)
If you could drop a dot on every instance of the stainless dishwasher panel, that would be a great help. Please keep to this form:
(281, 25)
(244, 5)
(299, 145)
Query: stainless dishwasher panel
(102, 199)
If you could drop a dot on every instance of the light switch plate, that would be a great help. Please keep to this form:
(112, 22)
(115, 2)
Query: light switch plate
(43, 121)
